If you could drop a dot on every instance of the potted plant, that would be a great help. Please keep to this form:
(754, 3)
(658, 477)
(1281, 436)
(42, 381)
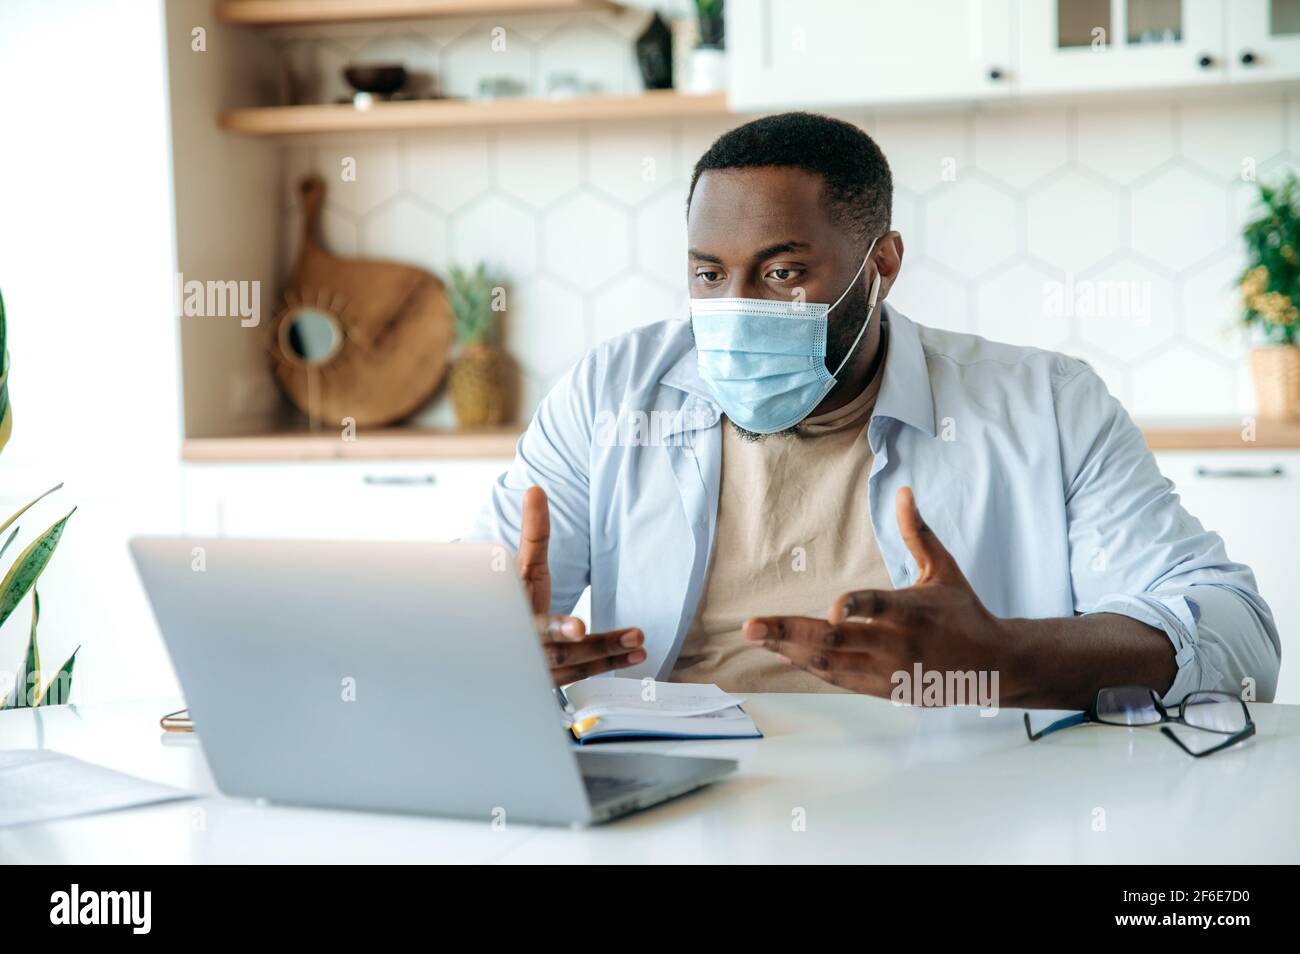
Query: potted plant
(482, 377)
(1270, 298)
(27, 690)
(708, 61)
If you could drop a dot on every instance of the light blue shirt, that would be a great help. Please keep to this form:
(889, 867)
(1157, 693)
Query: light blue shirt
(1026, 468)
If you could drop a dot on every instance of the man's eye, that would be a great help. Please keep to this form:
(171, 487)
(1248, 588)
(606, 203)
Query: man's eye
(708, 276)
(783, 274)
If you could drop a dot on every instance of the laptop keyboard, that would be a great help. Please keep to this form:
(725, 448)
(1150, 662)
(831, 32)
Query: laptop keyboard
(604, 787)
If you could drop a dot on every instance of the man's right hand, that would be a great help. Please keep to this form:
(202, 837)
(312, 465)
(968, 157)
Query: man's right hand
(570, 652)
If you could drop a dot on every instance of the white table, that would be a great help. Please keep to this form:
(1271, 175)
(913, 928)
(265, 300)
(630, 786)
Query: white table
(874, 783)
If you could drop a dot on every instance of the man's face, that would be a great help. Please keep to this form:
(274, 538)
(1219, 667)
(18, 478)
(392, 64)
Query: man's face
(767, 233)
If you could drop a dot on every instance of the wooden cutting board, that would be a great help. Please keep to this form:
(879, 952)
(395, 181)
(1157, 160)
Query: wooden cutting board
(397, 331)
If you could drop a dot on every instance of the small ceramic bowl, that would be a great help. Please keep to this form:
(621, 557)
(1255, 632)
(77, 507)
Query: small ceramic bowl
(380, 78)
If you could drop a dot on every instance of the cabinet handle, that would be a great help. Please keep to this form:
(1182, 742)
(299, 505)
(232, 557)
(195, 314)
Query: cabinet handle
(1206, 61)
(1247, 58)
(995, 73)
(1249, 473)
(398, 480)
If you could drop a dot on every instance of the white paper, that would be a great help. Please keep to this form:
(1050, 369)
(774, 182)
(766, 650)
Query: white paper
(730, 723)
(38, 785)
(604, 696)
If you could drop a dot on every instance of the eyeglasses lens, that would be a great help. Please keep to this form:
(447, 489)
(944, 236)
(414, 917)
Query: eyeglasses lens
(1125, 705)
(1215, 712)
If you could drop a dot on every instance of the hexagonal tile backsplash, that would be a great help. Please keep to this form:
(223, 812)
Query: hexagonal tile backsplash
(1105, 230)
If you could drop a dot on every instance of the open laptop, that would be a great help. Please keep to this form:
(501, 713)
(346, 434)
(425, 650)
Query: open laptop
(392, 676)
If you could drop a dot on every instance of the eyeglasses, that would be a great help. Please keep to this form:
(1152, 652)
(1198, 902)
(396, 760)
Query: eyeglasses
(1212, 711)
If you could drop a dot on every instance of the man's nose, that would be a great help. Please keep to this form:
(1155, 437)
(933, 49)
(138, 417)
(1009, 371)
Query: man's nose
(742, 286)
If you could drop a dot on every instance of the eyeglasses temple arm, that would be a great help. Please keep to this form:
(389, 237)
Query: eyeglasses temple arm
(1071, 720)
(1241, 736)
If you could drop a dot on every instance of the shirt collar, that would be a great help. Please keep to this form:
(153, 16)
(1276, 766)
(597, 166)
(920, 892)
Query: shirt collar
(685, 376)
(905, 394)
(699, 410)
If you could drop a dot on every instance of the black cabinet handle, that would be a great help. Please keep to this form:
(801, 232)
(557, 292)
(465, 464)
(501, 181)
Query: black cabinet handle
(995, 73)
(1248, 473)
(1206, 61)
(1247, 58)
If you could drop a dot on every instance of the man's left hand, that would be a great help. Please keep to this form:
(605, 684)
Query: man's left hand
(872, 634)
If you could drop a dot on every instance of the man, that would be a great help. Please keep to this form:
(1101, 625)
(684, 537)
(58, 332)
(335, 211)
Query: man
(741, 490)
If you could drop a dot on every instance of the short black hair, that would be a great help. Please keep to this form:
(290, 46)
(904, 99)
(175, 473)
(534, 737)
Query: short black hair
(859, 187)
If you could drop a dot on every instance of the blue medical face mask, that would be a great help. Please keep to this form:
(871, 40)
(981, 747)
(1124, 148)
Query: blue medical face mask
(765, 360)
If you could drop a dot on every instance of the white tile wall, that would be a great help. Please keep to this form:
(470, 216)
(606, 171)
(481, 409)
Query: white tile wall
(1107, 230)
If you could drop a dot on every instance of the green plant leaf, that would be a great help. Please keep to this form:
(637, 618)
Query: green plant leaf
(34, 654)
(27, 681)
(5, 526)
(28, 567)
(5, 546)
(1272, 242)
(59, 690)
(6, 412)
(470, 294)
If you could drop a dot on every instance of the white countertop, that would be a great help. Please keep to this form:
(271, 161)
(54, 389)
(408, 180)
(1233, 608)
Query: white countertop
(875, 783)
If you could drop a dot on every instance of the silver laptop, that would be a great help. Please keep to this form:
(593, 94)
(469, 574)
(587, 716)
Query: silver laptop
(393, 676)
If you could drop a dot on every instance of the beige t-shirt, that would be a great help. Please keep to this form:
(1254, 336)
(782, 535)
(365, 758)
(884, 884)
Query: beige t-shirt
(794, 532)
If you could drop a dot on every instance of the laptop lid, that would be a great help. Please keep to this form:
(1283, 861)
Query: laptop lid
(394, 676)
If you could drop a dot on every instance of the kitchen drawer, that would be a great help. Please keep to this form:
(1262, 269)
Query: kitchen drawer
(351, 500)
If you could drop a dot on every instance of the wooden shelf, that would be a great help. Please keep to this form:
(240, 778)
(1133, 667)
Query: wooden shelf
(283, 12)
(1220, 435)
(398, 443)
(431, 114)
(409, 443)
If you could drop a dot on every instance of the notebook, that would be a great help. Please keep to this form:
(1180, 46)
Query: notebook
(40, 785)
(604, 708)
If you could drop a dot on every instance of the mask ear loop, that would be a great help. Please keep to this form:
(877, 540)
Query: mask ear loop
(871, 308)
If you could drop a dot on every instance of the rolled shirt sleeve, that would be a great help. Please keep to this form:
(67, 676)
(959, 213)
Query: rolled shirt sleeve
(1135, 551)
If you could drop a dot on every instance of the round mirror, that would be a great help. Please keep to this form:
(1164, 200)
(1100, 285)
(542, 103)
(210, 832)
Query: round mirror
(310, 335)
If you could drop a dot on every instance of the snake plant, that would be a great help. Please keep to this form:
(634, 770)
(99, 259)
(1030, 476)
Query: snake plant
(22, 576)
(6, 416)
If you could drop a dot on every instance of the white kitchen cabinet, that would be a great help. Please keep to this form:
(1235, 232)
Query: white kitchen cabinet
(1252, 499)
(844, 52)
(1263, 40)
(1075, 45)
(344, 500)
